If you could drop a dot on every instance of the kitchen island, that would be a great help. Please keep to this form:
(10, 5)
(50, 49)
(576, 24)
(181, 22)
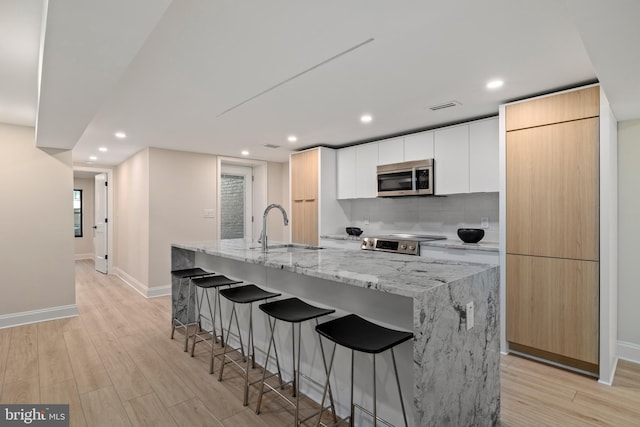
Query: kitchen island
(450, 374)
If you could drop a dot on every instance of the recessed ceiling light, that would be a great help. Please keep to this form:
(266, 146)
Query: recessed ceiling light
(292, 138)
(103, 149)
(93, 158)
(494, 84)
(244, 153)
(120, 135)
(366, 118)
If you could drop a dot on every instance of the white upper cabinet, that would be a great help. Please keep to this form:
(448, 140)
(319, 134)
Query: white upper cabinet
(366, 173)
(466, 159)
(483, 156)
(390, 151)
(346, 169)
(451, 154)
(418, 146)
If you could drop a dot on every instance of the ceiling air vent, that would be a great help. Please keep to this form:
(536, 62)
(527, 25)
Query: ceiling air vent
(271, 146)
(444, 105)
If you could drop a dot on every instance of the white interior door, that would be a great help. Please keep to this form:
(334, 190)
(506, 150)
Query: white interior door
(100, 249)
(236, 202)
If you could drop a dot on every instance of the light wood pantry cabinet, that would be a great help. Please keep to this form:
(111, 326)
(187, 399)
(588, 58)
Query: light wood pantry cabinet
(552, 223)
(314, 207)
(304, 197)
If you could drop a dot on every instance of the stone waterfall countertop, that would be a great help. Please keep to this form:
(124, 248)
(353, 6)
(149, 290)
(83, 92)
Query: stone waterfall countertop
(404, 275)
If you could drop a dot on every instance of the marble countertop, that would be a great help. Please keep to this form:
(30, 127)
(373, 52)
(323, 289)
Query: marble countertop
(449, 243)
(394, 273)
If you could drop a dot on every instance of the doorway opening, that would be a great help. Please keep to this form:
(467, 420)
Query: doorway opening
(236, 202)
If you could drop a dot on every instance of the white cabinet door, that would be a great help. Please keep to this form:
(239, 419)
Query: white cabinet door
(390, 151)
(346, 171)
(451, 156)
(418, 146)
(366, 178)
(483, 156)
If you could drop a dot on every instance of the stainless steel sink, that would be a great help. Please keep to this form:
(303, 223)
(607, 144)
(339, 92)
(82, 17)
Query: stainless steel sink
(289, 247)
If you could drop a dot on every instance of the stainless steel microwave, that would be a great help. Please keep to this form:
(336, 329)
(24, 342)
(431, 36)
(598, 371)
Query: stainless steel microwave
(406, 179)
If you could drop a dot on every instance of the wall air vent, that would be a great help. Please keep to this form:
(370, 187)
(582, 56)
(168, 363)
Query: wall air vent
(444, 105)
(271, 146)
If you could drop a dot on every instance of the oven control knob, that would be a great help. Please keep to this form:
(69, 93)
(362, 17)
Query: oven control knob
(411, 248)
(370, 242)
(403, 246)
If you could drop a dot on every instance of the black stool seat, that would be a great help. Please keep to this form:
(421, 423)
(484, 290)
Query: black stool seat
(246, 294)
(293, 310)
(214, 281)
(188, 273)
(356, 333)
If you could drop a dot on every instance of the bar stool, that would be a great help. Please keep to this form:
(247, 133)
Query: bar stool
(358, 334)
(181, 275)
(292, 310)
(247, 294)
(200, 335)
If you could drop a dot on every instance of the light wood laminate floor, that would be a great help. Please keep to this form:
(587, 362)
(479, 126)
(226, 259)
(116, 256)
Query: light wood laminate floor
(115, 365)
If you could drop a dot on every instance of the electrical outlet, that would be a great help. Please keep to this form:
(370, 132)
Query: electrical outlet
(484, 222)
(209, 213)
(470, 314)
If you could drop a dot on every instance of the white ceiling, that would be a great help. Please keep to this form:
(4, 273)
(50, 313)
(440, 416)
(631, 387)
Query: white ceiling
(218, 77)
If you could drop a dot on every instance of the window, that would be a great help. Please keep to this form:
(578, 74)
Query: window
(77, 212)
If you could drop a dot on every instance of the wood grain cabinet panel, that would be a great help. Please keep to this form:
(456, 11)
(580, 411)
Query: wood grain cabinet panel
(304, 197)
(552, 305)
(552, 190)
(564, 107)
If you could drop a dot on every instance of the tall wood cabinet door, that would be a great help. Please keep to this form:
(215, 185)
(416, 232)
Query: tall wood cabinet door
(310, 175)
(298, 165)
(297, 221)
(552, 190)
(552, 305)
(310, 234)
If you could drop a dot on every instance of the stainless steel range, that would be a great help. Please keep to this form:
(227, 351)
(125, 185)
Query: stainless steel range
(408, 244)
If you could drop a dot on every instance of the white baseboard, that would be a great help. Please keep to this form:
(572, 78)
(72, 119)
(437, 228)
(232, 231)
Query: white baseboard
(83, 256)
(34, 316)
(141, 288)
(629, 351)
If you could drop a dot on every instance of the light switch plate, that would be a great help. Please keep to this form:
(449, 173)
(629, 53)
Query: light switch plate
(209, 213)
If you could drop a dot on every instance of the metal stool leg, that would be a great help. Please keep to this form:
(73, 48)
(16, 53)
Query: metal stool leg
(352, 407)
(326, 384)
(324, 364)
(375, 400)
(395, 370)
(186, 325)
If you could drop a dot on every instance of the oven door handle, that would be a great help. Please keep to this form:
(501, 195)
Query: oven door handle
(413, 179)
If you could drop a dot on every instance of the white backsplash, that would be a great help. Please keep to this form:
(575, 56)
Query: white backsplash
(434, 215)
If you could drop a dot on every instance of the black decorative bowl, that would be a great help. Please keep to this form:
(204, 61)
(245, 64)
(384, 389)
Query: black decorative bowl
(353, 231)
(470, 235)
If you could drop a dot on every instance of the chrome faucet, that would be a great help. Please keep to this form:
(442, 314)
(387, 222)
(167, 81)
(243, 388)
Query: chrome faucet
(263, 234)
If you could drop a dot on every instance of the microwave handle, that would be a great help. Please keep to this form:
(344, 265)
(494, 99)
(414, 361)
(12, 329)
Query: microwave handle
(413, 179)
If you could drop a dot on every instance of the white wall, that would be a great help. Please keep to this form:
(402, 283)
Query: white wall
(628, 238)
(181, 186)
(84, 244)
(36, 227)
(132, 218)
